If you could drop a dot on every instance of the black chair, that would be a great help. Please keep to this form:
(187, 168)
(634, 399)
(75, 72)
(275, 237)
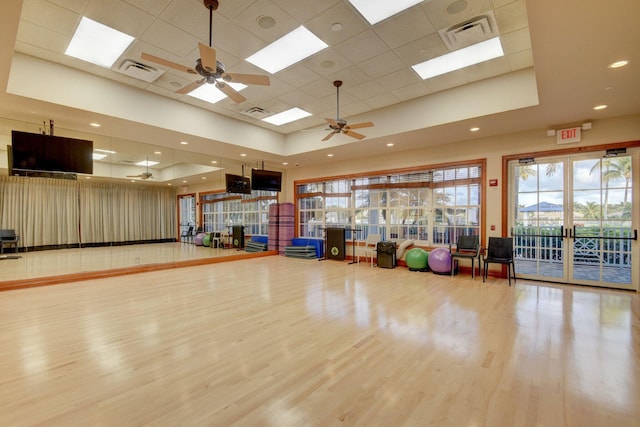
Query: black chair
(187, 235)
(8, 237)
(467, 247)
(499, 251)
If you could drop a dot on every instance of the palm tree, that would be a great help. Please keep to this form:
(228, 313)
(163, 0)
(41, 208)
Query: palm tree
(589, 211)
(614, 168)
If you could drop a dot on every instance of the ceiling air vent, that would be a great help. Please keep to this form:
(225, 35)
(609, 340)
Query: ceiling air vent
(256, 112)
(139, 71)
(470, 32)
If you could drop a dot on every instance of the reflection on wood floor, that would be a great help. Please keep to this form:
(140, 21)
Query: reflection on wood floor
(278, 341)
(42, 265)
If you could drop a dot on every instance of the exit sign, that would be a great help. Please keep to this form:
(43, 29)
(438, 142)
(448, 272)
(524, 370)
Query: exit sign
(565, 136)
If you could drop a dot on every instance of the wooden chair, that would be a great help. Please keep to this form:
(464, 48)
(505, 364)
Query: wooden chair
(499, 251)
(467, 247)
(8, 237)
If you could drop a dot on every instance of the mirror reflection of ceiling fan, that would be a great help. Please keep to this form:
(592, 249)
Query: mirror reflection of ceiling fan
(210, 69)
(340, 125)
(144, 175)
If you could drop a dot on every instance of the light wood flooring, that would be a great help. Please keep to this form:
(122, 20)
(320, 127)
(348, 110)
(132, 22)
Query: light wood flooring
(278, 341)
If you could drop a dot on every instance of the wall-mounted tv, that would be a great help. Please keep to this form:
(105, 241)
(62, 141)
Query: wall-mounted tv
(35, 152)
(265, 180)
(237, 184)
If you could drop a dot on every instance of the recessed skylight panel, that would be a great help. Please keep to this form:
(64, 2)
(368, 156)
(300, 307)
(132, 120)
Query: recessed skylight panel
(375, 11)
(288, 116)
(287, 50)
(96, 43)
(470, 55)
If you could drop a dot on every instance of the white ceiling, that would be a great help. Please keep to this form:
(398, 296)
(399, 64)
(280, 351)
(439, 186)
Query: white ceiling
(553, 73)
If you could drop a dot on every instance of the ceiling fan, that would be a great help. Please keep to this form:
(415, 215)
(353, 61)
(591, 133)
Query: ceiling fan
(210, 69)
(144, 175)
(340, 125)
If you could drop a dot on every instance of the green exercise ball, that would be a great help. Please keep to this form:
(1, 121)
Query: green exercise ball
(417, 259)
(206, 240)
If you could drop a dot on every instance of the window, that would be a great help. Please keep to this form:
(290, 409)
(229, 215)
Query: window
(223, 210)
(433, 206)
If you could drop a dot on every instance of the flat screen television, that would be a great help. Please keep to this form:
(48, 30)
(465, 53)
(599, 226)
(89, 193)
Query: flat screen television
(35, 152)
(265, 180)
(237, 184)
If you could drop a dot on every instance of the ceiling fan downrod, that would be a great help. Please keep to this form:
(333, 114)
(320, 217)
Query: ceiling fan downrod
(337, 84)
(211, 5)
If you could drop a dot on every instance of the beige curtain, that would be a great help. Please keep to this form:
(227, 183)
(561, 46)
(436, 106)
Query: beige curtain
(48, 211)
(43, 211)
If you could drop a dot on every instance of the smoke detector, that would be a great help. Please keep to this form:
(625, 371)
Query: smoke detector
(471, 31)
(139, 71)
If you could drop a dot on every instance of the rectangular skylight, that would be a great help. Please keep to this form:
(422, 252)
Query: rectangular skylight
(287, 50)
(209, 93)
(146, 163)
(375, 11)
(461, 58)
(288, 116)
(96, 43)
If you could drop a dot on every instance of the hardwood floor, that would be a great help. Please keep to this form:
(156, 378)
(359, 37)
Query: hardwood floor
(278, 341)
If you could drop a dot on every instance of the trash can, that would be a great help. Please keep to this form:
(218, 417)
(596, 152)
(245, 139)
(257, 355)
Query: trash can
(386, 254)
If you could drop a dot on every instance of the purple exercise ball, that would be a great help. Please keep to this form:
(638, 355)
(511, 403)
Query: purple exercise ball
(440, 260)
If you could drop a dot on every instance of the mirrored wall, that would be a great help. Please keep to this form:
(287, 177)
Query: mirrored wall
(125, 214)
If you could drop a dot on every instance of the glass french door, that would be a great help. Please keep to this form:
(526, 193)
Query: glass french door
(573, 221)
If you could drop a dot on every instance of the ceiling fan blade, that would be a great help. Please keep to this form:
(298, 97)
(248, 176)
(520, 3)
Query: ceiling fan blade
(208, 57)
(191, 86)
(248, 79)
(353, 134)
(166, 63)
(328, 136)
(360, 125)
(231, 92)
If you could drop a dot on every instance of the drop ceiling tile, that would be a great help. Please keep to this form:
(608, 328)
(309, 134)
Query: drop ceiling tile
(298, 75)
(154, 7)
(233, 38)
(382, 100)
(41, 38)
(404, 28)
(304, 11)
(74, 5)
(516, 41)
(326, 62)
(412, 91)
(365, 90)
(446, 81)
(351, 24)
(520, 60)
(170, 39)
(421, 50)
(119, 15)
(232, 8)
(512, 17)
(362, 47)
(399, 79)
(351, 76)
(284, 23)
(50, 16)
(487, 69)
(381, 65)
(193, 18)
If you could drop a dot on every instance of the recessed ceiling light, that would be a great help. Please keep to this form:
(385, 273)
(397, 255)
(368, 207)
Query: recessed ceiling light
(204, 177)
(146, 163)
(94, 124)
(600, 107)
(96, 43)
(285, 163)
(474, 129)
(243, 155)
(287, 50)
(618, 64)
(157, 152)
(184, 182)
(288, 116)
(184, 142)
(390, 144)
(214, 161)
(329, 155)
(470, 55)
(98, 156)
(169, 184)
(377, 10)
(210, 93)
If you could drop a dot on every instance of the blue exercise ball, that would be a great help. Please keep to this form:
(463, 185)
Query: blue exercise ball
(440, 261)
(417, 259)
